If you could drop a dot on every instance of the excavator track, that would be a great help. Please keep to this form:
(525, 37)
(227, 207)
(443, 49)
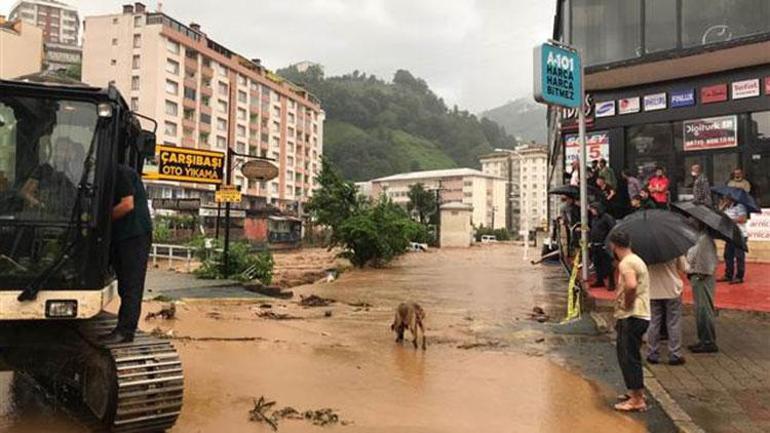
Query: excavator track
(132, 387)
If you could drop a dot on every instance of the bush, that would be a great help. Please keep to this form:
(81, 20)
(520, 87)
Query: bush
(242, 263)
(499, 234)
(161, 232)
(377, 234)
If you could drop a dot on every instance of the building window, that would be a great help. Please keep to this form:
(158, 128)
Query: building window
(277, 112)
(170, 129)
(137, 41)
(113, 62)
(190, 93)
(136, 62)
(241, 131)
(222, 106)
(134, 104)
(172, 67)
(221, 124)
(205, 118)
(241, 114)
(172, 109)
(222, 87)
(660, 26)
(221, 142)
(134, 83)
(172, 46)
(242, 97)
(606, 30)
(719, 21)
(172, 88)
(114, 41)
(291, 117)
(138, 20)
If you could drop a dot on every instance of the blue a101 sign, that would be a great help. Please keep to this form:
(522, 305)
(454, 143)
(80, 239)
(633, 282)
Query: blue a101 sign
(557, 77)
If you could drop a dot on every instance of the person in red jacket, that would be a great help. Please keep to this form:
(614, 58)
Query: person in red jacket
(658, 186)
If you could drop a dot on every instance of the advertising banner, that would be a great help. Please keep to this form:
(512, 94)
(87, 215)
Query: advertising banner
(628, 105)
(604, 109)
(656, 101)
(716, 93)
(683, 98)
(711, 133)
(758, 226)
(597, 147)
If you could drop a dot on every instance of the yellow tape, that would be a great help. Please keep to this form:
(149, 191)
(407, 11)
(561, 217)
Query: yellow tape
(573, 295)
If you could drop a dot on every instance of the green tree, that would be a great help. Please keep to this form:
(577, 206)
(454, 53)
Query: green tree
(421, 202)
(334, 201)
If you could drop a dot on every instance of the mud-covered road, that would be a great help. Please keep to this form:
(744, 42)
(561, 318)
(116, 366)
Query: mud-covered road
(487, 368)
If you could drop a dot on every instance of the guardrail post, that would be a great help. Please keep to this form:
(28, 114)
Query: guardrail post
(188, 258)
(154, 256)
(170, 257)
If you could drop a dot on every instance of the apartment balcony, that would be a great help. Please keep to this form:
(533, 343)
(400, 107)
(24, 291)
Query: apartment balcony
(206, 90)
(207, 71)
(205, 109)
(188, 141)
(191, 63)
(253, 142)
(204, 127)
(254, 109)
(189, 123)
(189, 104)
(191, 82)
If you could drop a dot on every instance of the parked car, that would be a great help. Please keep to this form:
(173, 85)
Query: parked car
(488, 239)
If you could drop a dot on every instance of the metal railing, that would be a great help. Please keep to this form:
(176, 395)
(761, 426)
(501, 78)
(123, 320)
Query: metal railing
(171, 253)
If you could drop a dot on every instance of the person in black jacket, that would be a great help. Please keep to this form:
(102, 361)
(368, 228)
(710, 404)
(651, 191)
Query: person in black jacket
(601, 224)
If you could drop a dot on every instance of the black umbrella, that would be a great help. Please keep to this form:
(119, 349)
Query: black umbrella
(657, 236)
(739, 195)
(574, 191)
(721, 225)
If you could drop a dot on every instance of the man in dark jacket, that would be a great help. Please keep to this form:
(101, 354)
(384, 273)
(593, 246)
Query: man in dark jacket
(601, 224)
(131, 241)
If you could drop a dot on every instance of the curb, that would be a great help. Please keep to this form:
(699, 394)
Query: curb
(682, 421)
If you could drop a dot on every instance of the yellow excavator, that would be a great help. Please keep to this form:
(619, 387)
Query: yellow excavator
(60, 144)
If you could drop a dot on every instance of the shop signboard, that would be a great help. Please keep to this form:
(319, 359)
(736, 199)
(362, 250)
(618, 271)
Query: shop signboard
(715, 93)
(656, 101)
(188, 165)
(212, 212)
(628, 105)
(597, 147)
(227, 194)
(558, 76)
(604, 109)
(767, 86)
(745, 89)
(683, 98)
(711, 133)
(758, 226)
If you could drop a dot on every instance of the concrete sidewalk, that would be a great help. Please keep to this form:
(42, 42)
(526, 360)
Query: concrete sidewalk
(177, 285)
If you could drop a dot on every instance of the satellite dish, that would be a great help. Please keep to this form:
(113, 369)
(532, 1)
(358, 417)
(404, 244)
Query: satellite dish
(259, 169)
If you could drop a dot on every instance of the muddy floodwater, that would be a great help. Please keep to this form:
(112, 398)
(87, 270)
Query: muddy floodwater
(487, 367)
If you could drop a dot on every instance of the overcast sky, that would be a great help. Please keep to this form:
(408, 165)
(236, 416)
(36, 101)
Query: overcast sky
(475, 53)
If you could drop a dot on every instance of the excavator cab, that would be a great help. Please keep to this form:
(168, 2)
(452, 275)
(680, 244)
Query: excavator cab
(60, 145)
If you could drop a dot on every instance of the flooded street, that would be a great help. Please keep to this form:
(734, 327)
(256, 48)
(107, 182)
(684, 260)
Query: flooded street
(487, 367)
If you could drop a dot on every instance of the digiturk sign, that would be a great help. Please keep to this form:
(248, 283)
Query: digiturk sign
(557, 77)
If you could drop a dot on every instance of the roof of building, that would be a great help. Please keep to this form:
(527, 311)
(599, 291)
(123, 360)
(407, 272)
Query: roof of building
(432, 174)
(456, 205)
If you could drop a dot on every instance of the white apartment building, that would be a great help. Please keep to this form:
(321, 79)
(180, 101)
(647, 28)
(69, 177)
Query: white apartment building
(60, 24)
(525, 170)
(204, 96)
(21, 49)
(484, 192)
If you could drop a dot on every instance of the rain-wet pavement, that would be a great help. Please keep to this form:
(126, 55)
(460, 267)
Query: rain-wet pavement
(487, 367)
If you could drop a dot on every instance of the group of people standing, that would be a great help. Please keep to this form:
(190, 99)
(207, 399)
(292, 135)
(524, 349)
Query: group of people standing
(649, 297)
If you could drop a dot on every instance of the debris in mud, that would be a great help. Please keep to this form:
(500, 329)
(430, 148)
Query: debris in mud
(481, 345)
(361, 304)
(539, 315)
(272, 291)
(265, 305)
(322, 417)
(259, 413)
(272, 315)
(158, 332)
(540, 340)
(162, 298)
(328, 313)
(214, 315)
(166, 313)
(315, 301)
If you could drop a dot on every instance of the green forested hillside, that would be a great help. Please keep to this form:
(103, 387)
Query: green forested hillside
(376, 128)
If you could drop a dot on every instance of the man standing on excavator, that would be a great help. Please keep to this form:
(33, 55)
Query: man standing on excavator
(131, 241)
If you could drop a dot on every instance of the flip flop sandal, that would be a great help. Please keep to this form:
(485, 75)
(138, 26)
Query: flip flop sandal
(625, 397)
(627, 407)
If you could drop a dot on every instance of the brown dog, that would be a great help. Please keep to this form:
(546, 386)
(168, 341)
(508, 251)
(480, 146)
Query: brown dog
(409, 315)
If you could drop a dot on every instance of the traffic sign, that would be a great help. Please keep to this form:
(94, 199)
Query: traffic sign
(558, 76)
(227, 194)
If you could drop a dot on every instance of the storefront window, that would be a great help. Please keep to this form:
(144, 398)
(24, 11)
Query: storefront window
(649, 146)
(606, 30)
(706, 22)
(759, 166)
(760, 128)
(660, 26)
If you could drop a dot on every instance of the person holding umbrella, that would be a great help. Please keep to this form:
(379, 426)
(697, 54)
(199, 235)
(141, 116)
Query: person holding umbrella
(632, 314)
(735, 257)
